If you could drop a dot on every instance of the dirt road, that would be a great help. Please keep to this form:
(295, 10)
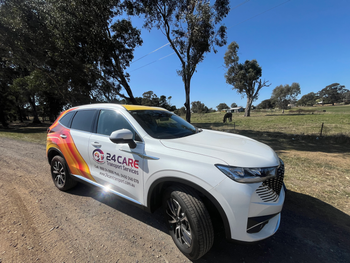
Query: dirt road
(38, 223)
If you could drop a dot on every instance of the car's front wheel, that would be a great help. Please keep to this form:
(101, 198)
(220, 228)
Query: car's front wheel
(60, 174)
(189, 222)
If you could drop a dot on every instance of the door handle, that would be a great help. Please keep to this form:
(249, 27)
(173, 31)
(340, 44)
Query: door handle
(96, 144)
(63, 136)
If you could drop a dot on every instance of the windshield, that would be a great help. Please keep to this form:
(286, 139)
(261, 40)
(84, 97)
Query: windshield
(163, 124)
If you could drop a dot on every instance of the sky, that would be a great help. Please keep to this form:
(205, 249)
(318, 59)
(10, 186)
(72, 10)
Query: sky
(303, 41)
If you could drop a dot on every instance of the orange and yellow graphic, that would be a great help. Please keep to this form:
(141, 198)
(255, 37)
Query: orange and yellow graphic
(66, 145)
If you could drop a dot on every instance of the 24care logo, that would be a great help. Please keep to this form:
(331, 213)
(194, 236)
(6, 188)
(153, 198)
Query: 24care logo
(99, 156)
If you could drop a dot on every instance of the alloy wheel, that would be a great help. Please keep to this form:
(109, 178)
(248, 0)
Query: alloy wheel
(179, 223)
(59, 174)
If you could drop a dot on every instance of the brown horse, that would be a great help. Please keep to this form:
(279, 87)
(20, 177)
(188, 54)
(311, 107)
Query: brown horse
(228, 115)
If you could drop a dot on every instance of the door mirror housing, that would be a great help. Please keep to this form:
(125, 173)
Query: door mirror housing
(123, 136)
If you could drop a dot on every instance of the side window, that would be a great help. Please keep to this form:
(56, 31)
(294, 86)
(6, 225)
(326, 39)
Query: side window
(110, 121)
(83, 120)
(65, 120)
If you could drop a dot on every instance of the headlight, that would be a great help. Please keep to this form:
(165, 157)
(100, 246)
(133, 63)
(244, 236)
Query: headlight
(248, 175)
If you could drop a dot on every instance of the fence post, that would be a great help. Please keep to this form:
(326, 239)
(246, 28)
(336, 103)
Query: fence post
(321, 130)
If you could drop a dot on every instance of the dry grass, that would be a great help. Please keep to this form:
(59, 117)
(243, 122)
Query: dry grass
(323, 175)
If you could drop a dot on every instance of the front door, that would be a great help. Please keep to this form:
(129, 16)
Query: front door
(116, 166)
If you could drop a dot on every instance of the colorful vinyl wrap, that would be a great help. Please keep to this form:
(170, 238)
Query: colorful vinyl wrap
(75, 161)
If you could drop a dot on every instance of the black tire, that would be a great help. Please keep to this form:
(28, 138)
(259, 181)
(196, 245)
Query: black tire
(60, 174)
(189, 222)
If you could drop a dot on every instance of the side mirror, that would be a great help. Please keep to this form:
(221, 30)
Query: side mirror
(123, 136)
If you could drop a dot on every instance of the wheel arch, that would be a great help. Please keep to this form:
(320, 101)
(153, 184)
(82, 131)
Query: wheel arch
(52, 152)
(155, 193)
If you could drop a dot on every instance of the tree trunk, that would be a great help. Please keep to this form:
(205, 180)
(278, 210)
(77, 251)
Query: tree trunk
(19, 112)
(187, 103)
(247, 108)
(127, 88)
(3, 118)
(35, 113)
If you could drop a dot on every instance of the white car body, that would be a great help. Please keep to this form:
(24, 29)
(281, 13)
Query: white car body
(138, 174)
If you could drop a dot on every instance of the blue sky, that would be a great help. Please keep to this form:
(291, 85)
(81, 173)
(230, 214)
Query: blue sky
(304, 41)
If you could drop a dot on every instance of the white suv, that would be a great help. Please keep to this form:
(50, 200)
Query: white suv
(151, 158)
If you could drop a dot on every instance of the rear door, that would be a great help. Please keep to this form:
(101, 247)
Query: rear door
(77, 141)
(116, 166)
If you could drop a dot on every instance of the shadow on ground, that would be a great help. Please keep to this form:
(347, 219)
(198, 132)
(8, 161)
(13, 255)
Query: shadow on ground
(281, 141)
(310, 231)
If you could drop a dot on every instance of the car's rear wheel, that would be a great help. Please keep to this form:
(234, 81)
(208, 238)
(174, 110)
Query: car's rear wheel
(60, 174)
(189, 222)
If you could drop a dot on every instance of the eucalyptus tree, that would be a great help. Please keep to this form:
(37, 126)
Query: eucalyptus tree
(245, 78)
(222, 106)
(78, 44)
(199, 107)
(284, 94)
(333, 93)
(7, 73)
(192, 27)
(308, 99)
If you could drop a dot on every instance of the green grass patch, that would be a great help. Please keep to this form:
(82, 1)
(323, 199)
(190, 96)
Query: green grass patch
(26, 131)
(336, 122)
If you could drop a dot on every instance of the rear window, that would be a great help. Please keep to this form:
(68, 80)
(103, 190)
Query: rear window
(66, 119)
(83, 120)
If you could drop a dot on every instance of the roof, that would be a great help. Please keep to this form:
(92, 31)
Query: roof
(115, 105)
(141, 107)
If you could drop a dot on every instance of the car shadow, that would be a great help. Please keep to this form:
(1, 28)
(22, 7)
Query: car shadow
(155, 220)
(280, 141)
(310, 231)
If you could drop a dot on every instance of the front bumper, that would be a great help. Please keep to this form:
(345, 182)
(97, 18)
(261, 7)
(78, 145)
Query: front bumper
(251, 216)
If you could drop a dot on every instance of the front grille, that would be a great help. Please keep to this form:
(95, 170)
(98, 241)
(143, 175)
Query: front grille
(270, 189)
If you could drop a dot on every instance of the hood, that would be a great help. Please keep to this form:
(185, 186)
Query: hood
(231, 149)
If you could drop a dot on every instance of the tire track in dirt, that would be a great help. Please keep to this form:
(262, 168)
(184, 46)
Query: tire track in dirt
(83, 225)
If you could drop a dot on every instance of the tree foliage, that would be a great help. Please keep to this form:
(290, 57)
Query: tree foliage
(266, 104)
(282, 95)
(181, 111)
(7, 74)
(222, 106)
(245, 78)
(149, 98)
(199, 107)
(308, 99)
(347, 96)
(79, 48)
(333, 93)
(234, 105)
(190, 28)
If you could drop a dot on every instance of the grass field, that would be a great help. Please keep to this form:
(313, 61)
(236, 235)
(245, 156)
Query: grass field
(336, 121)
(316, 166)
